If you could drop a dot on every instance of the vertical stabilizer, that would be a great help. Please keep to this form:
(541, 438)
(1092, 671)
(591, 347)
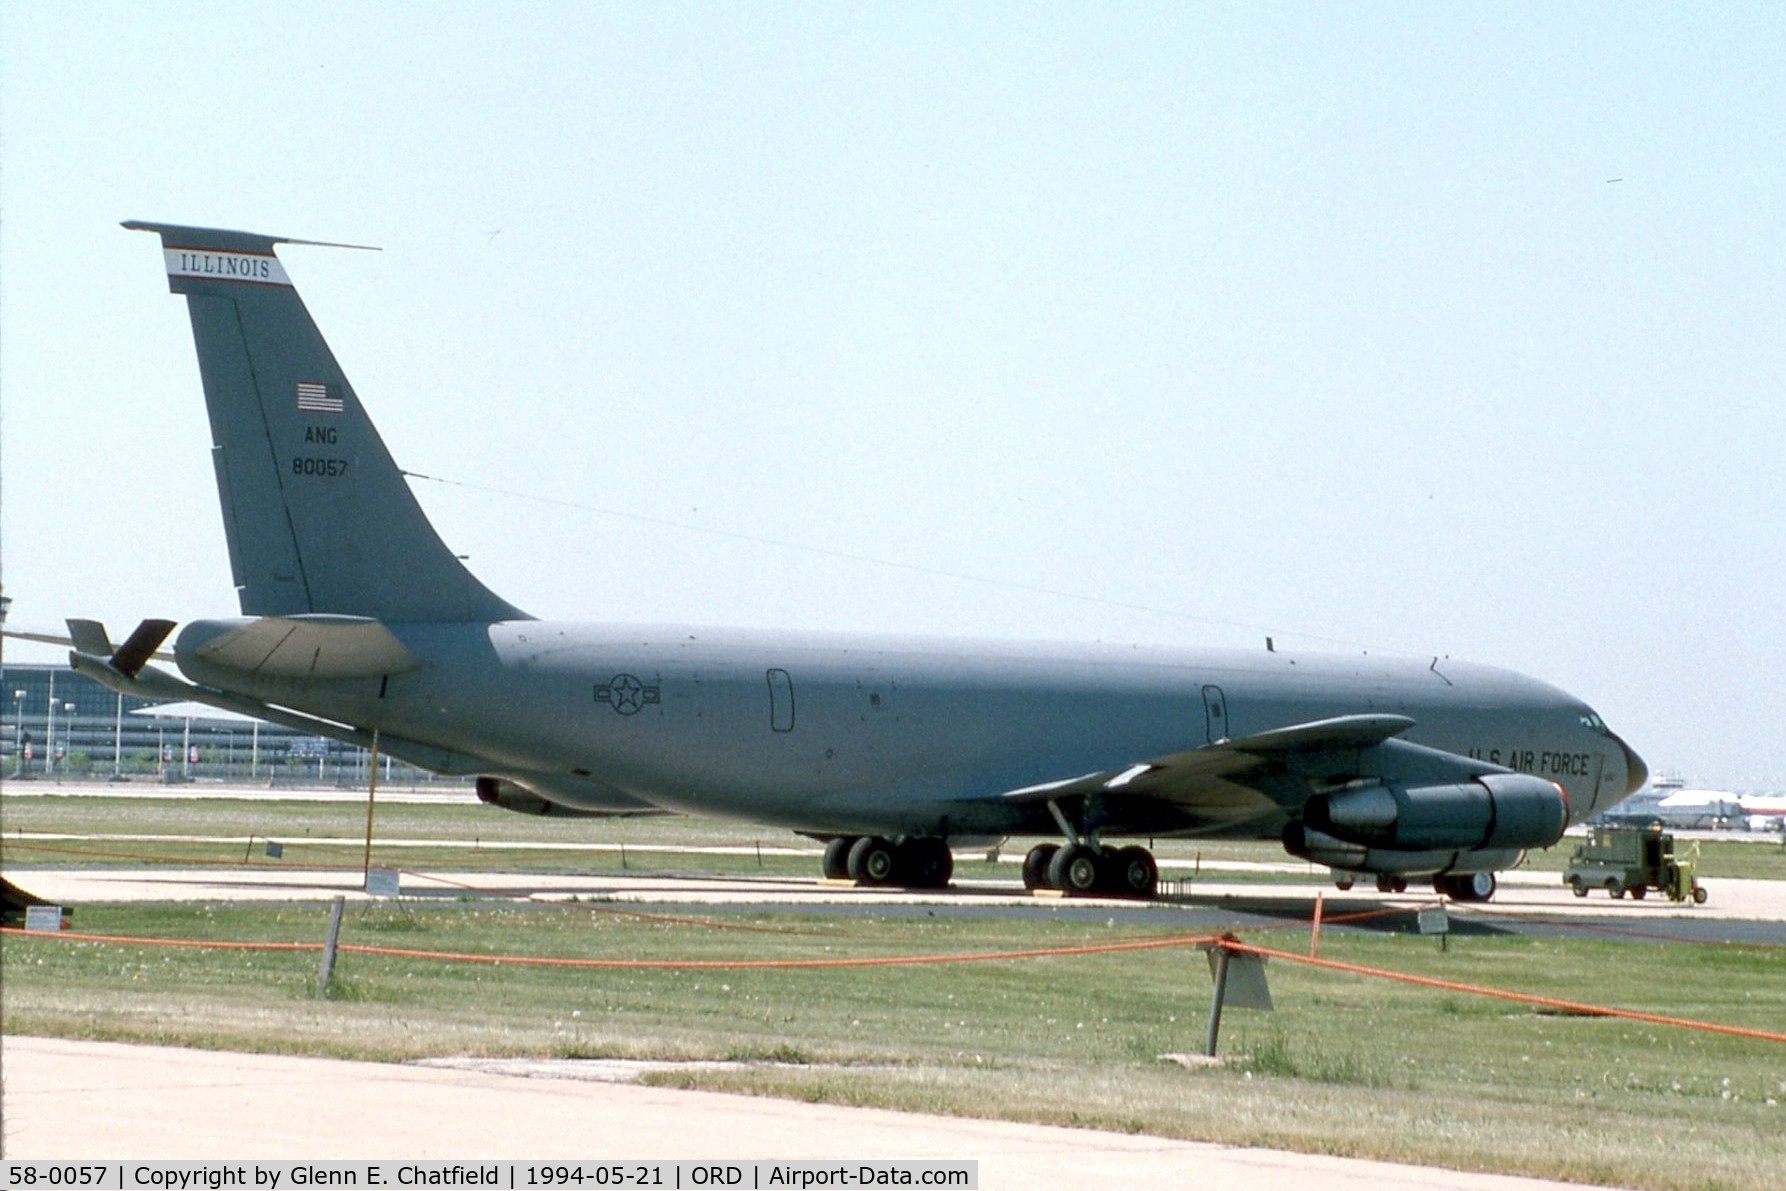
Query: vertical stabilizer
(318, 517)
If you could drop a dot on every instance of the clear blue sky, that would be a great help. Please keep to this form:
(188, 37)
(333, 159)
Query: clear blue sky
(1447, 329)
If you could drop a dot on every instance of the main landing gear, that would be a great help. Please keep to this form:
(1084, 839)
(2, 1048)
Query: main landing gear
(918, 862)
(1083, 866)
(1079, 869)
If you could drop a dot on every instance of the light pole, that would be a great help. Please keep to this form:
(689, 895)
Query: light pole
(49, 731)
(118, 741)
(18, 732)
(68, 729)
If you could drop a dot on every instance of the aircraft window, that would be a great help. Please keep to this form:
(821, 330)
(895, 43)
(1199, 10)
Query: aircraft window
(1590, 720)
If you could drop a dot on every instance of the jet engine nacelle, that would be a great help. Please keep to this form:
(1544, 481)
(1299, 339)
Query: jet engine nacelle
(1493, 810)
(513, 796)
(1339, 854)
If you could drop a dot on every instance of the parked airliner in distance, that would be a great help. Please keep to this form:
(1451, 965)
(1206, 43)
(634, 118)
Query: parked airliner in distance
(1669, 800)
(357, 620)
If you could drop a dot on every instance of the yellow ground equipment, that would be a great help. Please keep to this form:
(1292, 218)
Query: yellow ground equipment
(1632, 860)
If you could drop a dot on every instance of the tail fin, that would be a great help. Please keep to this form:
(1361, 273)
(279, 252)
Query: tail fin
(318, 517)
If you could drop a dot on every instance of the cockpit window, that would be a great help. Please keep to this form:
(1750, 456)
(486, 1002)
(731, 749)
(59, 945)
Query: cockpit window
(1590, 720)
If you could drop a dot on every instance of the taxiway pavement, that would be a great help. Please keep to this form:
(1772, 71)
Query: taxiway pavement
(99, 1100)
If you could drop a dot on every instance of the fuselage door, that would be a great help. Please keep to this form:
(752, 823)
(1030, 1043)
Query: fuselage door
(781, 701)
(1215, 713)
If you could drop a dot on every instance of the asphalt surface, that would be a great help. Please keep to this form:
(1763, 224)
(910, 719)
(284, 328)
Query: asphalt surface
(99, 1100)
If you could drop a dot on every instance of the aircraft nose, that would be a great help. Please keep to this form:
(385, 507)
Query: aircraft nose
(1636, 772)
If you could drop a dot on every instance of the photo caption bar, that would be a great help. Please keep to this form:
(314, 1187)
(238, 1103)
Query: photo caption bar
(506, 1176)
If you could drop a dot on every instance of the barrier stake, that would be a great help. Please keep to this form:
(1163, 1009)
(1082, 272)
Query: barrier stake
(371, 797)
(1216, 999)
(328, 948)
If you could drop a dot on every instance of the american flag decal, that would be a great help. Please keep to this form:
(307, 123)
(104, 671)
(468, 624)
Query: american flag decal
(317, 398)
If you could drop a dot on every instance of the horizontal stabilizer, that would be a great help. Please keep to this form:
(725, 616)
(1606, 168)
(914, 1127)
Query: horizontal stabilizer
(135, 653)
(302, 647)
(89, 636)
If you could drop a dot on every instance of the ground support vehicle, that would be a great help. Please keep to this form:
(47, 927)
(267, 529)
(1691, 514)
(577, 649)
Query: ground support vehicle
(1634, 860)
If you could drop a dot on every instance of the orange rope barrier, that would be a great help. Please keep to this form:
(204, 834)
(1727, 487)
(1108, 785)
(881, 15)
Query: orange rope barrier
(867, 961)
(1579, 1007)
(644, 964)
(1228, 942)
(73, 936)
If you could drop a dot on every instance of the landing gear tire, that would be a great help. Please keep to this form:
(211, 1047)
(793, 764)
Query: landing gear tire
(1074, 870)
(1639, 892)
(1035, 865)
(873, 861)
(1390, 883)
(1467, 887)
(836, 864)
(926, 862)
(1344, 883)
(1133, 872)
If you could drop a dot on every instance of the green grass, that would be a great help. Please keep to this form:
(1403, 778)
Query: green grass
(1347, 1065)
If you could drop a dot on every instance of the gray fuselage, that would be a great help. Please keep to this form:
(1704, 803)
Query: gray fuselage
(905, 736)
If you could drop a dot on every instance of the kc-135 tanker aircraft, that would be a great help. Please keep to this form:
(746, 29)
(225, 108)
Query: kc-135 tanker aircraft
(357, 619)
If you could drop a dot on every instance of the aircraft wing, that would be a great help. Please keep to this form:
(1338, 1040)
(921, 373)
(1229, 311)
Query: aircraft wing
(1254, 777)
